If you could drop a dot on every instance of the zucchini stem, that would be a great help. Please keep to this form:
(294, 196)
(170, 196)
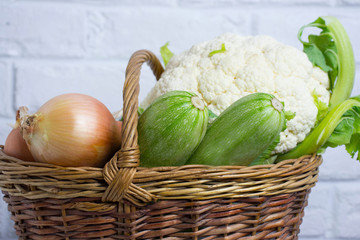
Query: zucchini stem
(198, 102)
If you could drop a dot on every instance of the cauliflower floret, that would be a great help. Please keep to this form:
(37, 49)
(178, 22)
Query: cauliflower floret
(250, 64)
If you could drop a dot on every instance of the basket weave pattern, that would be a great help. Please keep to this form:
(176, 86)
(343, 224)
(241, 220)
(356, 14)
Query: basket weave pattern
(124, 201)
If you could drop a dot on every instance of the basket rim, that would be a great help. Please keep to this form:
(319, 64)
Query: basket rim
(193, 182)
(160, 169)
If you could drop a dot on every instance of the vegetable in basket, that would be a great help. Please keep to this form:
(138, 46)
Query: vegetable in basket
(249, 65)
(15, 146)
(242, 132)
(171, 129)
(312, 84)
(71, 130)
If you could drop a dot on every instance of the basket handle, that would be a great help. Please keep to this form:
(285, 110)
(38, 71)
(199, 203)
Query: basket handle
(120, 170)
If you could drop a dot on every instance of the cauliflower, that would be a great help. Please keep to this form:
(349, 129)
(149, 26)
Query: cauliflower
(249, 64)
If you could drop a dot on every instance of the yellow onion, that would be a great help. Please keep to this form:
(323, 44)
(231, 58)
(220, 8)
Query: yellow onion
(15, 146)
(71, 130)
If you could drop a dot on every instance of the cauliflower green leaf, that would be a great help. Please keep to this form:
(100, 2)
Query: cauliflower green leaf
(166, 54)
(331, 50)
(212, 116)
(321, 106)
(223, 49)
(341, 126)
(289, 115)
(354, 146)
(347, 133)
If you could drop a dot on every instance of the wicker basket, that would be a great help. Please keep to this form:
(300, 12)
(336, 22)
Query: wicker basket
(123, 201)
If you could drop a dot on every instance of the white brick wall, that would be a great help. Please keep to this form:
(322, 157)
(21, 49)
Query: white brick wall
(52, 47)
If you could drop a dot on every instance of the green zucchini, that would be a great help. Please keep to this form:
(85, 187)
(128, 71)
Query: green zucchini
(242, 132)
(171, 128)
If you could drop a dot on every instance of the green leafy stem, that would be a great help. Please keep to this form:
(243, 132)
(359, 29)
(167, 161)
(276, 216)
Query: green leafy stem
(339, 124)
(331, 50)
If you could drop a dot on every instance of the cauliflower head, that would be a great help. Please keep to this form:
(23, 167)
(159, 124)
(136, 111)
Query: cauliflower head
(249, 64)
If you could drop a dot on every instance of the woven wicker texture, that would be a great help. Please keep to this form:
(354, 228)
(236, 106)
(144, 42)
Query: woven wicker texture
(124, 201)
(277, 217)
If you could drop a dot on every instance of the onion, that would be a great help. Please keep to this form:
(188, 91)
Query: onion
(71, 130)
(15, 146)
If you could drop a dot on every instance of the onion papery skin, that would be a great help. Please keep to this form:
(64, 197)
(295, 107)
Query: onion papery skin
(72, 130)
(15, 146)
